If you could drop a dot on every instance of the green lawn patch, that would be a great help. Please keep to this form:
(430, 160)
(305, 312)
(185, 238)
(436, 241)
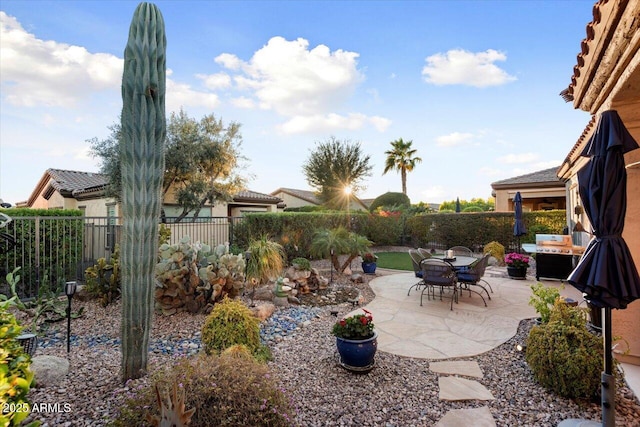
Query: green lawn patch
(394, 260)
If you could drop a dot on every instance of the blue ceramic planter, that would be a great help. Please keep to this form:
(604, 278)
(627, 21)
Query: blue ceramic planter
(357, 355)
(369, 267)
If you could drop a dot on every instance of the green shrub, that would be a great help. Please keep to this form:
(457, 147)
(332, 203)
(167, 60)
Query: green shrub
(225, 390)
(389, 199)
(496, 250)
(543, 300)
(15, 375)
(563, 355)
(301, 264)
(103, 279)
(230, 323)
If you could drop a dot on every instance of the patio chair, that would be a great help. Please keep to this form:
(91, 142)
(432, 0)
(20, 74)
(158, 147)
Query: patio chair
(416, 259)
(436, 272)
(472, 276)
(461, 250)
(424, 252)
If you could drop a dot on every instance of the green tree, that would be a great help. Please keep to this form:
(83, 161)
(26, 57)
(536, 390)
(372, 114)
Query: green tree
(335, 165)
(202, 161)
(475, 204)
(402, 158)
(143, 127)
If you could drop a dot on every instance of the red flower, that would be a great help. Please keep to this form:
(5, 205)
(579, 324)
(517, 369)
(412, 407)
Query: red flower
(343, 323)
(364, 320)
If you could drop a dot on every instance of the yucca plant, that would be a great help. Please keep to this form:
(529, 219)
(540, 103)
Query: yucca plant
(143, 126)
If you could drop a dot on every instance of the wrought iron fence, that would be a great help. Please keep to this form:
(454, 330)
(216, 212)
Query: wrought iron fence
(53, 250)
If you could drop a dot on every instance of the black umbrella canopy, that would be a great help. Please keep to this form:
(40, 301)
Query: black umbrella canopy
(606, 272)
(519, 228)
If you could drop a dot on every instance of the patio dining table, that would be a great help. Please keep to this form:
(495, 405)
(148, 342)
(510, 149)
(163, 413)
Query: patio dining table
(459, 261)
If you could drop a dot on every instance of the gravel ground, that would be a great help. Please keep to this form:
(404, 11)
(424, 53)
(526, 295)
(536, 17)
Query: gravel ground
(399, 391)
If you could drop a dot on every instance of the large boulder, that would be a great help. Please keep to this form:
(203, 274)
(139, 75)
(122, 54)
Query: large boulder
(49, 370)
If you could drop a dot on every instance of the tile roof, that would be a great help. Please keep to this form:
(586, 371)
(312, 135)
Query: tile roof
(69, 182)
(254, 196)
(309, 196)
(544, 177)
(74, 183)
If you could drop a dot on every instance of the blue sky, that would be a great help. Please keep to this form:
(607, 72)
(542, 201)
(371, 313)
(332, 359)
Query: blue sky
(474, 85)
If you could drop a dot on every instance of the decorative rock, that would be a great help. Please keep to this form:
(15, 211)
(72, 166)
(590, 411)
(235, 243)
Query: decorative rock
(357, 278)
(281, 301)
(293, 300)
(263, 311)
(49, 370)
(263, 294)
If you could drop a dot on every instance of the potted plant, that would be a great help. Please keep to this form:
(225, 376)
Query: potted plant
(369, 263)
(357, 341)
(517, 265)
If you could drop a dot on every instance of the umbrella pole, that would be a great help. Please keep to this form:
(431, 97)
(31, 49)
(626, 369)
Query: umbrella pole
(608, 389)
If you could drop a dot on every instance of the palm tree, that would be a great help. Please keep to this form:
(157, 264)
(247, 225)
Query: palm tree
(401, 158)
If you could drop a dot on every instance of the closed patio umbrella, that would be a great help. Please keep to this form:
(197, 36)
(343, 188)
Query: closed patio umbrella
(457, 205)
(606, 273)
(519, 228)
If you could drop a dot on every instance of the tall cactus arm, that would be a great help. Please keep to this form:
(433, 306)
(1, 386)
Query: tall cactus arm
(142, 167)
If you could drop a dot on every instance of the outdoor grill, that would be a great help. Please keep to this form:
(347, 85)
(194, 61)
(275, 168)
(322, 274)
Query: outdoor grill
(555, 256)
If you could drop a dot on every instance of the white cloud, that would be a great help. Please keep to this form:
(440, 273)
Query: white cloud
(215, 81)
(435, 192)
(331, 122)
(182, 95)
(292, 79)
(518, 158)
(459, 66)
(243, 102)
(35, 72)
(453, 139)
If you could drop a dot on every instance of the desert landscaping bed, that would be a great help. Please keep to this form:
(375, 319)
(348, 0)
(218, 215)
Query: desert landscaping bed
(399, 391)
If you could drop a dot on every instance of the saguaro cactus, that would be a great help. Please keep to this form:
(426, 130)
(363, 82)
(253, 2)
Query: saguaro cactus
(142, 167)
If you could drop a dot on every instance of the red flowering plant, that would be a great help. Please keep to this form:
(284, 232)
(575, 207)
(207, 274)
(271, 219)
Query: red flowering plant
(356, 327)
(516, 260)
(369, 257)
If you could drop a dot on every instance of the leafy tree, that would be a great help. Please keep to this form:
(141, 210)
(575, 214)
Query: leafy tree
(401, 158)
(389, 199)
(201, 166)
(473, 205)
(335, 165)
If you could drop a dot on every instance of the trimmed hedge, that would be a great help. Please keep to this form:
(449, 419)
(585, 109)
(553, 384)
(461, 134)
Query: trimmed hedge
(295, 230)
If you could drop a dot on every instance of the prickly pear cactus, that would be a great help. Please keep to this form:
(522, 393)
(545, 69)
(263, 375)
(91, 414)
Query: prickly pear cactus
(192, 277)
(143, 125)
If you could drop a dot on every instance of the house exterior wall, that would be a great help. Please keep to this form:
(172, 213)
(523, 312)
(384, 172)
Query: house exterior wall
(293, 201)
(97, 207)
(626, 323)
(533, 199)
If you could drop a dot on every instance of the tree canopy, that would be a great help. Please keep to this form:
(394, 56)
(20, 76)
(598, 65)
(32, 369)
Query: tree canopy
(334, 166)
(473, 205)
(402, 157)
(202, 161)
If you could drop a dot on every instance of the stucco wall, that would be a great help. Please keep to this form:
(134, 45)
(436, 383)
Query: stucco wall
(626, 323)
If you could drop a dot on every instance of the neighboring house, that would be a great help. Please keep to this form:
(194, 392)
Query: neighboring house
(607, 77)
(65, 189)
(541, 190)
(294, 198)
